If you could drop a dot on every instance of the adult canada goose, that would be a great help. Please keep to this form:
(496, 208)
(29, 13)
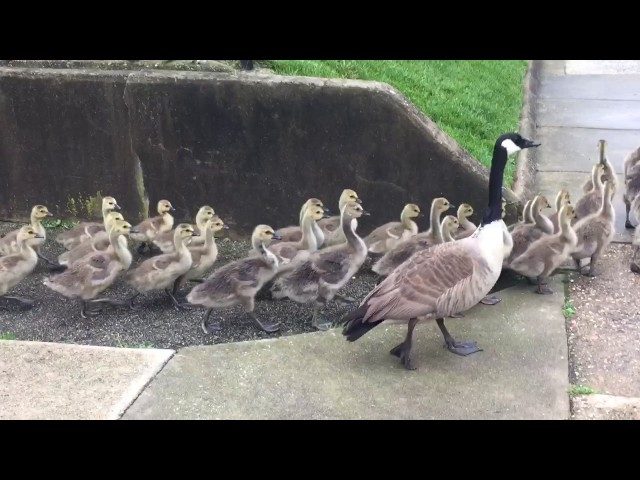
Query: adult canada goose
(631, 182)
(332, 226)
(237, 283)
(9, 243)
(447, 278)
(401, 252)
(386, 236)
(15, 267)
(595, 231)
(562, 198)
(100, 242)
(164, 240)
(608, 173)
(84, 230)
(294, 233)
(89, 276)
(149, 228)
(318, 278)
(549, 252)
(160, 272)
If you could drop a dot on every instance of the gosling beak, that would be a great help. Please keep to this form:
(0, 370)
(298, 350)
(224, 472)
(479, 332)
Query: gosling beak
(133, 230)
(37, 235)
(358, 200)
(326, 210)
(276, 237)
(195, 234)
(364, 212)
(451, 205)
(530, 143)
(171, 208)
(326, 215)
(49, 214)
(117, 207)
(226, 227)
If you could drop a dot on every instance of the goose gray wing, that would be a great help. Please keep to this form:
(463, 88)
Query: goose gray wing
(431, 281)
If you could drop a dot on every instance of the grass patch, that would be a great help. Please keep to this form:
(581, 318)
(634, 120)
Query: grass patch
(7, 336)
(59, 223)
(135, 345)
(576, 390)
(568, 309)
(473, 101)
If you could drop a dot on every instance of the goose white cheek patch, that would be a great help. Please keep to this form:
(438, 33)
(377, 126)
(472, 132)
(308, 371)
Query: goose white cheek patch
(510, 146)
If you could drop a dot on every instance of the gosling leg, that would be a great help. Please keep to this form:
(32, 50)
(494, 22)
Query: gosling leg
(209, 327)
(24, 302)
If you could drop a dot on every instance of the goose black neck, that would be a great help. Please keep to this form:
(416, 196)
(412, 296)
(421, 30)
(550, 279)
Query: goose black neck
(498, 164)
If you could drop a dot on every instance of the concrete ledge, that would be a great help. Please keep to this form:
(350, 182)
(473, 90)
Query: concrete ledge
(525, 182)
(221, 138)
(40, 380)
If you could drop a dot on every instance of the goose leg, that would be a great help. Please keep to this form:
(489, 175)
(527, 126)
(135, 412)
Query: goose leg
(543, 289)
(627, 206)
(53, 266)
(403, 350)
(176, 304)
(249, 304)
(132, 300)
(22, 301)
(592, 264)
(316, 318)
(490, 300)
(344, 299)
(209, 327)
(459, 348)
(141, 248)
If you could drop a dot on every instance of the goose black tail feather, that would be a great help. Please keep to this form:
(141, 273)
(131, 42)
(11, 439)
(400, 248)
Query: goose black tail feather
(354, 328)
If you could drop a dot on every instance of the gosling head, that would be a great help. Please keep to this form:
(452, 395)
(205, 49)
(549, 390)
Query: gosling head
(542, 202)
(441, 204)
(315, 202)
(217, 224)
(28, 233)
(354, 210)
(569, 212)
(315, 213)
(40, 211)
(451, 223)
(164, 206)
(564, 198)
(109, 203)
(205, 213)
(412, 210)
(185, 231)
(465, 210)
(264, 234)
(122, 227)
(113, 216)
(349, 195)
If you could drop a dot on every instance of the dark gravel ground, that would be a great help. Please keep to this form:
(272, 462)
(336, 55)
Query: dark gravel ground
(55, 318)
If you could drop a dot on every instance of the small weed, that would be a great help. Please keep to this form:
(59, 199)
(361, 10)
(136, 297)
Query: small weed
(135, 345)
(7, 336)
(568, 309)
(581, 390)
(58, 223)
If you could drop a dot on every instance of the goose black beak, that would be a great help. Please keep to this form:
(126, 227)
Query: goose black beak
(531, 143)
(276, 237)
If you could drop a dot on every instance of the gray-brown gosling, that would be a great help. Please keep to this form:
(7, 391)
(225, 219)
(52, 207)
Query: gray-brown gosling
(85, 230)
(89, 276)
(149, 228)
(386, 236)
(294, 233)
(548, 252)
(318, 278)
(17, 266)
(608, 174)
(164, 240)
(9, 243)
(446, 278)
(237, 283)
(468, 227)
(590, 202)
(331, 227)
(562, 198)
(162, 271)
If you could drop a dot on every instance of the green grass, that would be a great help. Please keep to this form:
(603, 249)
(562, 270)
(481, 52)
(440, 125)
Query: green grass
(7, 336)
(473, 101)
(135, 345)
(568, 309)
(581, 390)
(59, 223)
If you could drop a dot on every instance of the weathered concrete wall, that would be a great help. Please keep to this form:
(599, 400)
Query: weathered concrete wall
(253, 146)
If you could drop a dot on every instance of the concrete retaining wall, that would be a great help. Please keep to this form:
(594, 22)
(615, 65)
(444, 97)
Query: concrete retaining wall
(252, 146)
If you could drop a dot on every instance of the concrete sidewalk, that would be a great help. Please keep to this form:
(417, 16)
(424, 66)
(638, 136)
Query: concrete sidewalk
(579, 103)
(520, 374)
